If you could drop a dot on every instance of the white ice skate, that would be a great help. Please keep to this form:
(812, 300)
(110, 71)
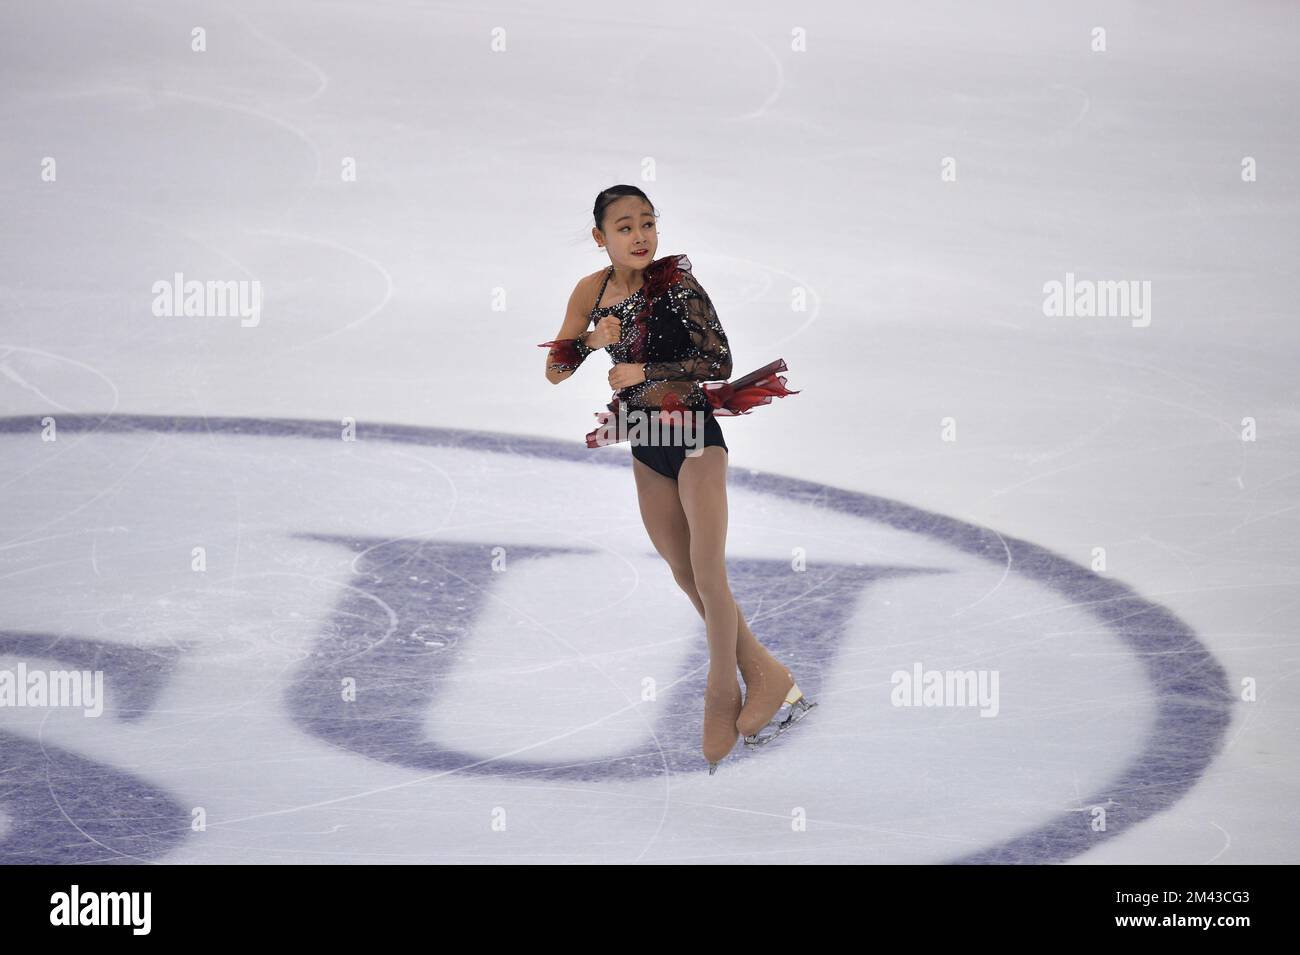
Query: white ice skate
(794, 708)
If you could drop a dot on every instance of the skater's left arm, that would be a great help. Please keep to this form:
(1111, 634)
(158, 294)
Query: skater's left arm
(710, 355)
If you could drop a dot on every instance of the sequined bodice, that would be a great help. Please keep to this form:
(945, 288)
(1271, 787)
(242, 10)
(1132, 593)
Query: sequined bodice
(619, 308)
(670, 328)
(626, 310)
(677, 336)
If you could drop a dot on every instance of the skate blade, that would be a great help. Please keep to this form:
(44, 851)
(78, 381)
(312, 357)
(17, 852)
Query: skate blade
(798, 710)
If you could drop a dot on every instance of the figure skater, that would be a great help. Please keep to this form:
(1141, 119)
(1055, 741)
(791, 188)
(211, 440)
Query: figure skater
(665, 340)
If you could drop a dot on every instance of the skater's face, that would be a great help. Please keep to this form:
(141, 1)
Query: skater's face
(629, 229)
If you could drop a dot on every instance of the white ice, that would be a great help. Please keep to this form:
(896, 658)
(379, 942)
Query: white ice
(526, 672)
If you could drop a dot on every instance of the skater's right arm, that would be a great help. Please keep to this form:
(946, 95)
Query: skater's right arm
(568, 350)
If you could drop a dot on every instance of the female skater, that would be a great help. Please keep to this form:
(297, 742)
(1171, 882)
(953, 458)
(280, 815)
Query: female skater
(665, 340)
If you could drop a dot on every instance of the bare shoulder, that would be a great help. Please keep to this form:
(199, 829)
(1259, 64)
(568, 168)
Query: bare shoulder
(581, 300)
(586, 287)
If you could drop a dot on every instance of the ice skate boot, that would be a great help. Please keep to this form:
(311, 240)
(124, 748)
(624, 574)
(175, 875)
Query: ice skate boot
(721, 710)
(769, 687)
(798, 704)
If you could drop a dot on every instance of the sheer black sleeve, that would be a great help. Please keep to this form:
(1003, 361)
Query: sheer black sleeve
(709, 358)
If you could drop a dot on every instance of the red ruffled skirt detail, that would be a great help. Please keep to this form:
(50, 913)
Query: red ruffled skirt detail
(726, 398)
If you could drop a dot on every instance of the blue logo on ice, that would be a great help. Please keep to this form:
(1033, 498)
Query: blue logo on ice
(355, 591)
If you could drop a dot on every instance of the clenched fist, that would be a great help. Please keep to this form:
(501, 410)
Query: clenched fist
(607, 331)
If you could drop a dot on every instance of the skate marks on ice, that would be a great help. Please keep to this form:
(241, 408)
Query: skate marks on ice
(420, 620)
(65, 808)
(413, 607)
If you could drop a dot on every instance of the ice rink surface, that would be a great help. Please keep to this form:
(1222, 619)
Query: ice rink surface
(356, 588)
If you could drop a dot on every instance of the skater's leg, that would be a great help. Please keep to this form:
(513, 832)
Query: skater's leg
(666, 522)
(669, 531)
(665, 518)
(766, 678)
(747, 645)
(702, 485)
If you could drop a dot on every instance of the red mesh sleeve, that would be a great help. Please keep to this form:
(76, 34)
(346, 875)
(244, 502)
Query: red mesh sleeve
(566, 353)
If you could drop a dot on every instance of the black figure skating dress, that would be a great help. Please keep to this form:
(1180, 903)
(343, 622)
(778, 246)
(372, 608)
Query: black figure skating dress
(669, 325)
